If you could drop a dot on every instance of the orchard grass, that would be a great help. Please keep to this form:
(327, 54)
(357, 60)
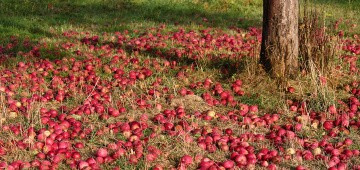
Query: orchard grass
(28, 25)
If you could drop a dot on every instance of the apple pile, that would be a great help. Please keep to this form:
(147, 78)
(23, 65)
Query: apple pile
(106, 105)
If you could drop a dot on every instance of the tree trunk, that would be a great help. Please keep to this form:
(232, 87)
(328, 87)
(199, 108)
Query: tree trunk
(280, 44)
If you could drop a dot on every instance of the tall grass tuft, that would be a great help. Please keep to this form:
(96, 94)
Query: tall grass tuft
(319, 54)
(317, 45)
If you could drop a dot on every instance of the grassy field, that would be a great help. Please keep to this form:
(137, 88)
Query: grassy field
(42, 19)
(39, 19)
(154, 81)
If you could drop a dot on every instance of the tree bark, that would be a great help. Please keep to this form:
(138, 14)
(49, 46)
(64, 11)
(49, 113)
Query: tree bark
(280, 44)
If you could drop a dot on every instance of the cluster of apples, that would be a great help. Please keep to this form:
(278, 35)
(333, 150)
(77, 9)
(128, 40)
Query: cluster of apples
(54, 108)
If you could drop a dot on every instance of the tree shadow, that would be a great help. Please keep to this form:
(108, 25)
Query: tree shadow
(36, 18)
(227, 66)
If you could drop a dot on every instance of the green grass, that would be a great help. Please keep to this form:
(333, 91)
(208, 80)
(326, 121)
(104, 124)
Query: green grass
(37, 19)
(42, 18)
(346, 11)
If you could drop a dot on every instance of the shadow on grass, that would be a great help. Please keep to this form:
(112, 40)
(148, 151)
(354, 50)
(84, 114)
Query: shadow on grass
(227, 66)
(49, 17)
(36, 19)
